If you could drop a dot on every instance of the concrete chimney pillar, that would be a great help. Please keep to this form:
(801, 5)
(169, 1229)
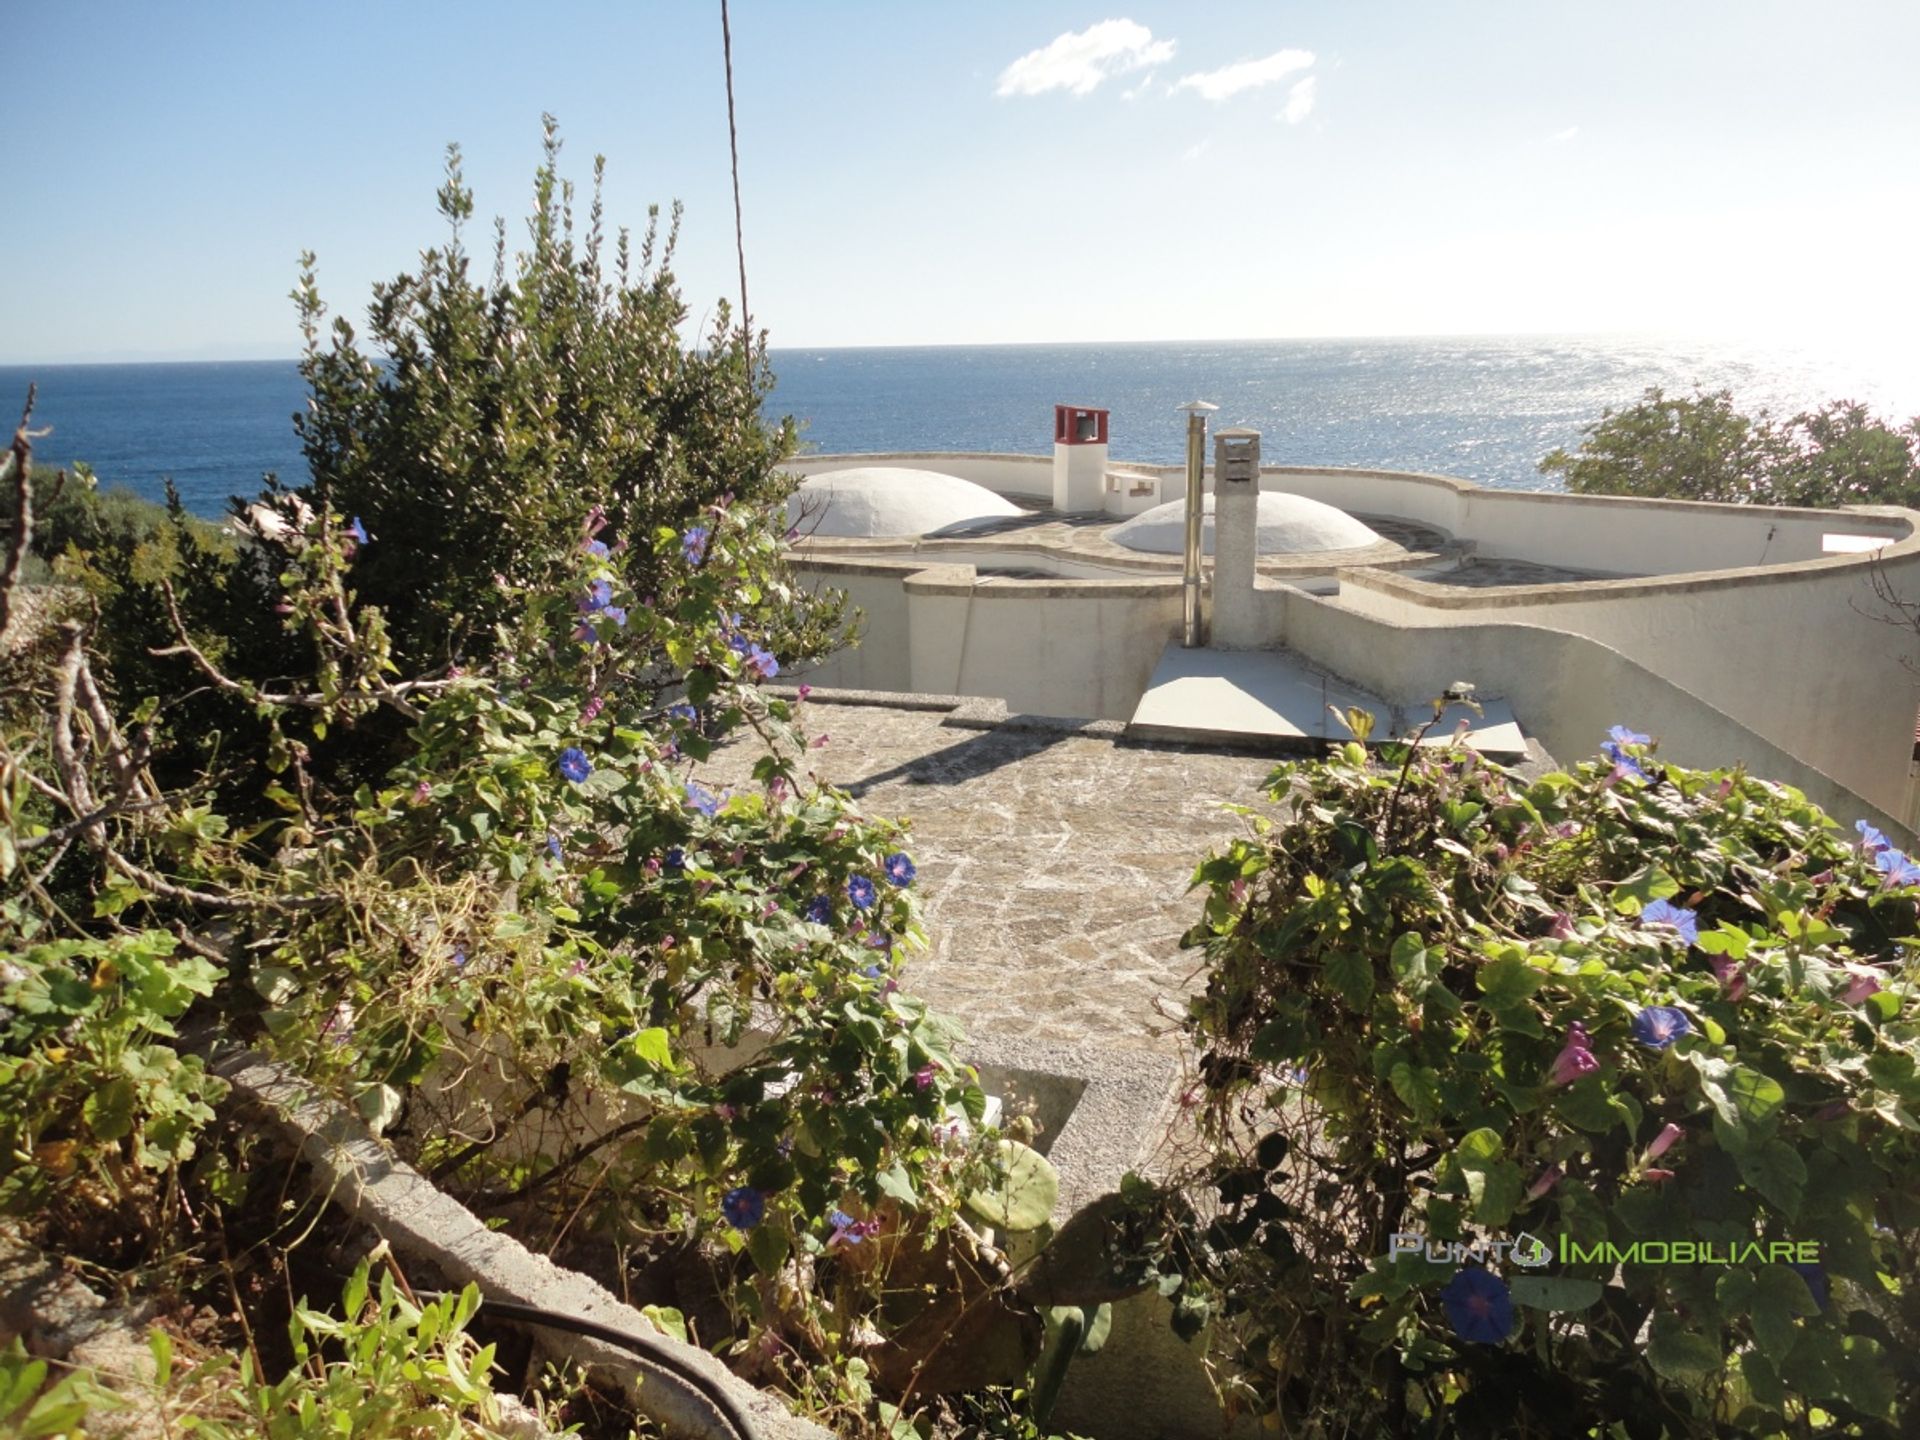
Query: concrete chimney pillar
(1079, 459)
(1236, 536)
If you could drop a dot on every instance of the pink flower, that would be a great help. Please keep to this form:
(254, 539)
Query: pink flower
(1657, 1176)
(1575, 1058)
(1664, 1141)
(819, 741)
(1562, 928)
(805, 690)
(1238, 890)
(1548, 1178)
(1860, 989)
(1737, 987)
(1825, 877)
(652, 867)
(923, 1077)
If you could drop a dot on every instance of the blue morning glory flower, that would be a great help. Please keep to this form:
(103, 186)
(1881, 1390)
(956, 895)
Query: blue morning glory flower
(693, 544)
(738, 644)
(574, 764)
(1816, 1278)
(459, 957)
(553, 845)
(1871, 840)
(763, 661)
(616, 613)
(899, 869)
(674, 859)
(1479, 1307)
(599, 595)
(701, 798)
(860, 890)
(819, 910)
(744, 1207)
(1658, 1026)
(358, 531)
(1895, 868)
(872, 972)
(1623, 763)
(1678, 917)
(684, 713)
(1623, 736)
(596, 548)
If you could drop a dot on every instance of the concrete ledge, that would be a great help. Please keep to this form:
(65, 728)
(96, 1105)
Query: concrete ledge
(356, 1171)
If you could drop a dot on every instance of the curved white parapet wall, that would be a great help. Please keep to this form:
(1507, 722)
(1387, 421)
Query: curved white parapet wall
(869, 502)
(1289, 525)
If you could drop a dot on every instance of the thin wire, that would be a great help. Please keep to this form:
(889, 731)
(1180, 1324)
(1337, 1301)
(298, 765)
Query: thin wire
(733, 150)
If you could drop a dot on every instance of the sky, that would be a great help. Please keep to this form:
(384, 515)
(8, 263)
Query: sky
(917, 173)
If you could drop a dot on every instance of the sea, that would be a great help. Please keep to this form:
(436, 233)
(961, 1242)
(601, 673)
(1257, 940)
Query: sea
(1481, 408)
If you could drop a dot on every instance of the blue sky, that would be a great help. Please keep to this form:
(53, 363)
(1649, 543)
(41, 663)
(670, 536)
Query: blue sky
(920, 173)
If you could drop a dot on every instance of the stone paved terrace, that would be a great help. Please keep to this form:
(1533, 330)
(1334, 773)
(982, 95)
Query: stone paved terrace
(1053, 865)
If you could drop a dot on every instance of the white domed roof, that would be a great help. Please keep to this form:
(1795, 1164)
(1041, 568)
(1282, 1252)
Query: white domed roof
(884, 500)
(1289, 525)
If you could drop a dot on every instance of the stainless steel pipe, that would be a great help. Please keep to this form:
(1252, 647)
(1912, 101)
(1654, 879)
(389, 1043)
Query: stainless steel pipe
(1193, 623)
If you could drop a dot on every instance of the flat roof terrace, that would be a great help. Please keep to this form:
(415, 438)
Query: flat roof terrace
(1053, 857)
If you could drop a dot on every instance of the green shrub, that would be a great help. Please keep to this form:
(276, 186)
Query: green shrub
(1629, 1003)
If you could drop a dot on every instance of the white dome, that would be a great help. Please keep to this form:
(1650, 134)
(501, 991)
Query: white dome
(1289, 525)
(886, 500)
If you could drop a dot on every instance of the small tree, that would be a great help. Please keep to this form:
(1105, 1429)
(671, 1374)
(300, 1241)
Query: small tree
(495, 414)
(1704, 449)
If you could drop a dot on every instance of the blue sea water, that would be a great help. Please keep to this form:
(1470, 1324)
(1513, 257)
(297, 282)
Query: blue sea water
(1482, 408)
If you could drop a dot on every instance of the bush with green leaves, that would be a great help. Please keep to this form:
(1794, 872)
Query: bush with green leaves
(1702, 448)
(474, 420)
(96, 1106)
(1624, 1004)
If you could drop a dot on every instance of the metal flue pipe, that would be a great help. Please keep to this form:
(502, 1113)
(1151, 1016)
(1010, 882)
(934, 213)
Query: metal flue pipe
(1193, 626)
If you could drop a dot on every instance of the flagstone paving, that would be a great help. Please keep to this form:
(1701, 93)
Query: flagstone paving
(1053, 865)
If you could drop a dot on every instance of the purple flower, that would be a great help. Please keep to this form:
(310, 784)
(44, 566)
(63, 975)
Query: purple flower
(872, 972)
(1658, 1026)
(1895, 868)
(849, 1231)
(763, 661)
(1669, 1136)
(693, 544)
(595, 547)
(701, 798)
(1575, 1058)
(1562, 927)
(1676, 917)
(586, 634)
(459, 957)
(616, 614)
(1623, 763)
(1871, 840)
(1479, 1307)
(675, 859)
(923, 1077)
(899, 868)
(599, 596)
(819, 910)
(574, 764)
(1860, 989)
(744, 1207)
(860, 890)
(358, 531)
(739, 644)
(1620, 735)
(553, 845)
(1545, 1181)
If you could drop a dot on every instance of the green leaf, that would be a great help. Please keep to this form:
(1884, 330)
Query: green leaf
(1023, 1196)
(1554, 1292)
(109, 1109)
(653, 1046)
(1776, 1170)
(1507, 981)
(1779, 1294)
(1418, 1088)
(1350, 973)
(1495, 1190)
(1648, 885)
(668, 1320)
(1683, 1356)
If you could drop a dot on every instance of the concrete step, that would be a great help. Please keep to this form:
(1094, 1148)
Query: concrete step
(1275, 700)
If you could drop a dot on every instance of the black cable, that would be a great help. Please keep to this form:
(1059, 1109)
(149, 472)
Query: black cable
(650, 1348)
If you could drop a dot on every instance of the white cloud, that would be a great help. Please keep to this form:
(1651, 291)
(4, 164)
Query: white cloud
(1230, 80)
(1079, 60)
(1561, 136)
(1194, 152)
(1300, 100)
(1145, 85)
